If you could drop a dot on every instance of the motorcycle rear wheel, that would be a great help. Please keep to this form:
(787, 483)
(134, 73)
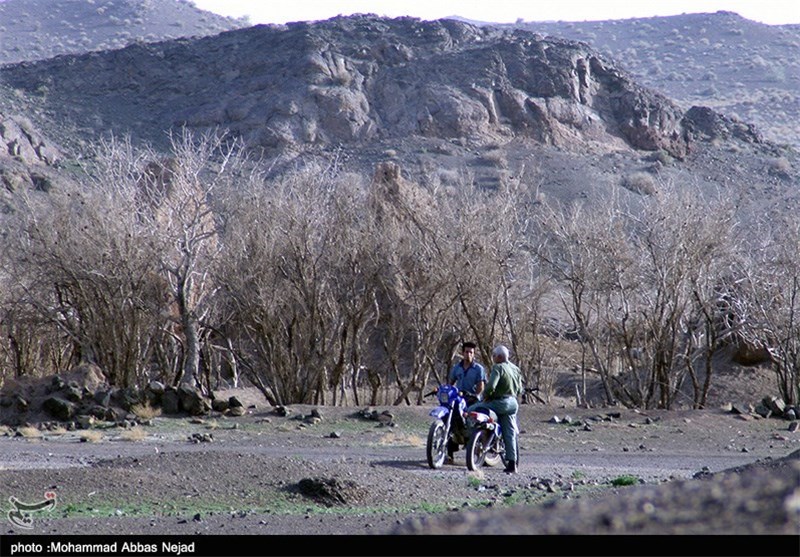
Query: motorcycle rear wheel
(478, 449)
(496, 453)
(437, 445)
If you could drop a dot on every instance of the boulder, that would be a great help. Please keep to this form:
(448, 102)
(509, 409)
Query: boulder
(192, 401)
(170, 402)
(60, 409)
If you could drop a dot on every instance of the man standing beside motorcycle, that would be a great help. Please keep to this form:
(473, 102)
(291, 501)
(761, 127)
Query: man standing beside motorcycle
(469, 377)
(502, 390)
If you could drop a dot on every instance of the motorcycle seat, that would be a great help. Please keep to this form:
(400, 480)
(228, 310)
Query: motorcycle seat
(489, 412)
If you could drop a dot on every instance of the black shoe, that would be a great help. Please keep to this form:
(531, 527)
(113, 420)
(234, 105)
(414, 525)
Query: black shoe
(511, 467)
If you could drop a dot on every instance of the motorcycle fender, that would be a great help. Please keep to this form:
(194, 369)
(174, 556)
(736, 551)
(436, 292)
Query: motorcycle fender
(440, 412)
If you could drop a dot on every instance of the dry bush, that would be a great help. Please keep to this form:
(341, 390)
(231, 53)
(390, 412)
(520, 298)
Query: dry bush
(780, 166)
(145, 411)
(640, 182)
(29, 432)
(135, 433)
(91, 436)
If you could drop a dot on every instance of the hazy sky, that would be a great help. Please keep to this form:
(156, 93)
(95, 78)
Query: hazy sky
(500, 11)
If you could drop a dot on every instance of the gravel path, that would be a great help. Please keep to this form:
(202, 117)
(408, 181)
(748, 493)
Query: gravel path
(246, 478)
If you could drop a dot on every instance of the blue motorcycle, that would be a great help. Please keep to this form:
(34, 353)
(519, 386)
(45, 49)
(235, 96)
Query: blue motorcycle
(448, 427)
(485, 445)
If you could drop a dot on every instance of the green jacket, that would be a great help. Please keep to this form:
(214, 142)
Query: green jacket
(505, 379)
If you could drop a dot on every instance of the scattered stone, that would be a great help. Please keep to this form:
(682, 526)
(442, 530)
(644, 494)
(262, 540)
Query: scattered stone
(386, 417)
(554, 420)
(201, 438)
(335, 435)
(192, 400)
(741, 408)
(57, 383)
(703, 473)
(281, 411)
(762, 410)
(236, 411)
(156, 387)
(794, 426)
(219, 405)
(84, 421)
(776, 405)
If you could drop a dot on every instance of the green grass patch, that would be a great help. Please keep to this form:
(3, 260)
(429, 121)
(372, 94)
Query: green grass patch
(624, 480)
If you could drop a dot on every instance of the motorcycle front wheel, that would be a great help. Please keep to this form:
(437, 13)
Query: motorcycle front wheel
(437, 445)
(478, 449)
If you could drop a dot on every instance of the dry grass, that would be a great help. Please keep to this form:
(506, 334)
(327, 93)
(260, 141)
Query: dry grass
(145, 411)
(212, 424)
(91, 436)
(134, 434)
(29, 432)
(639, 182)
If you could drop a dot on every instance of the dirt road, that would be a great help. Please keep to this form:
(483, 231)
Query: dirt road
(246, 475)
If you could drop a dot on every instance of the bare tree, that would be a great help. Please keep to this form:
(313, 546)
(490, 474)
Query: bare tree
(300, 276)
(415, 299)
(176, 194)
(83, 264)
(642, 284)
(767, 302)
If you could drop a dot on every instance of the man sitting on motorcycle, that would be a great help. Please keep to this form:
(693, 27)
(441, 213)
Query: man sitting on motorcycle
(469, 377)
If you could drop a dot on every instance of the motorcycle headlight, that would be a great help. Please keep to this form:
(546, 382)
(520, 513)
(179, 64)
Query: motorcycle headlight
(444, 397)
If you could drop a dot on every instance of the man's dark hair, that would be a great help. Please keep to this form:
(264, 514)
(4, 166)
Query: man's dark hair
(468, 344)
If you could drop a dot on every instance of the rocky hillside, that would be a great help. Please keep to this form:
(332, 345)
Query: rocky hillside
(447, 100)
(360, 79)
(39, 29)
(739, 67)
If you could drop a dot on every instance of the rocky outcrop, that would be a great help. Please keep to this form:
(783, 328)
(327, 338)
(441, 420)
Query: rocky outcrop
(84, 395)
(20, 140)
(362, 78)
(704, 123)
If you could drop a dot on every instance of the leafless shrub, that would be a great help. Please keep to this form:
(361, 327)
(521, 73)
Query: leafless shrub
(766, 304)
(641, 287)
(640, 182)
(780, 166)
